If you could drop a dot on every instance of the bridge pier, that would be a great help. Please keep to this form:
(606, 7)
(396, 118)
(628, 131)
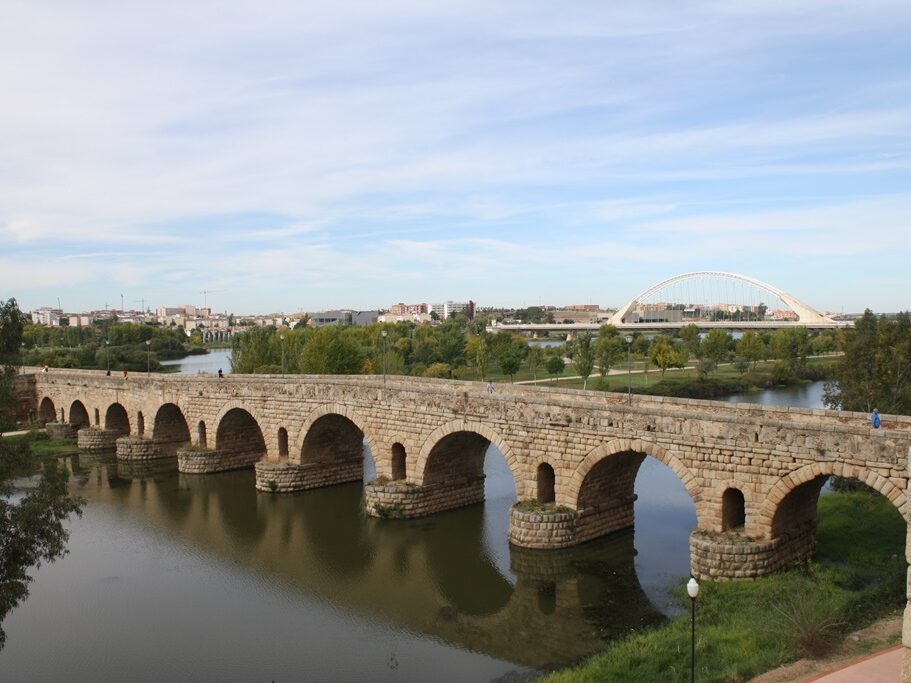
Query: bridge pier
(731, 555)
(402, 500)
(209, 461)
(136, 448)
(285, 477)
(546, 527)
(97, 439)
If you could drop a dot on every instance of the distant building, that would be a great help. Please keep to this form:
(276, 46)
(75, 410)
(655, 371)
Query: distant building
(342, 317)
(448, 308)
(47, 316)
(409, 309)
(582, 307)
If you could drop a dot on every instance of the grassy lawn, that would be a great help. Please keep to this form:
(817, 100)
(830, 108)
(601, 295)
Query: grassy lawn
(744, 628)
(42, 446)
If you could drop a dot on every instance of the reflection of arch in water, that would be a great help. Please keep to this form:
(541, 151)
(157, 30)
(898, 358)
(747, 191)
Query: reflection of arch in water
(79, 416)
(158, 469)
(461, 569)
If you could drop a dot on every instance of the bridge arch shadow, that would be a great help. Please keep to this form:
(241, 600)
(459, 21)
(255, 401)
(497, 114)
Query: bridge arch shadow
(47, 411)
(334, 432)
(79, 416)
(239, 435)
(457, 450)
(170, 430)
(116, 419)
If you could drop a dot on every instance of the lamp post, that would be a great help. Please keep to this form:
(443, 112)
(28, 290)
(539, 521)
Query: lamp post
(384, 333)
(692, 588)
(148, 357)
(282, 338)
(629, 369)
(107, 354)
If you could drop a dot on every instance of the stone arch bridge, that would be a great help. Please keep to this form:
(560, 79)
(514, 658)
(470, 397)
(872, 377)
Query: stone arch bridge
(754, 473)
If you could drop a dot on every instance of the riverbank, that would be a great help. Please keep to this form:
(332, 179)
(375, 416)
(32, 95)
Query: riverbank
(746, 628)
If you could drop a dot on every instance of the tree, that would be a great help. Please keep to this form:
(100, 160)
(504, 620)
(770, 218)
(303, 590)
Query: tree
(875, 371)
(664, 355)
(750, 347)
(476, 349)
(584, 357)
(11, 324)
(608, 350)
(535, 359)
(791, 346)
(692, 342)
(510, 362)
(555, 366)
(332, 351)
(716, 345)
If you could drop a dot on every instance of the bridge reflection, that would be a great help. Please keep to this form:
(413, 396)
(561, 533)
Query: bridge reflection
(431, 576)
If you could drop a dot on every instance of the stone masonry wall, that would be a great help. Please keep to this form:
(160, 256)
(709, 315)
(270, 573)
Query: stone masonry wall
(284, 477)
(136, 448)
(207, 462)
(60, 430)
(732, 556)
(401, 500)
(96, 439)
(542, 529)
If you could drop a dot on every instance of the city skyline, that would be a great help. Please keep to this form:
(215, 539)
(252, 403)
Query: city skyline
(358, 155)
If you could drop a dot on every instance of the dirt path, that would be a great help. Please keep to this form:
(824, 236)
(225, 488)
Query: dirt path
(878, 636)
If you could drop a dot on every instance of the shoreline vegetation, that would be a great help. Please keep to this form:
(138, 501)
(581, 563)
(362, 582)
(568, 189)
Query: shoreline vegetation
(745, 628)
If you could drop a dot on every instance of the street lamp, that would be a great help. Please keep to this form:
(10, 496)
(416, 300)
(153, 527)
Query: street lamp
(148, 357)
(282, 337)
(629, 369)
(692, 588)
(384, 333)
(107, 354)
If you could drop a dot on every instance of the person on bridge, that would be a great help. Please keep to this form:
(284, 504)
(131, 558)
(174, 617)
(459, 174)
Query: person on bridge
(490, 387)
(221, 375)
(875, 422)
(124, 373)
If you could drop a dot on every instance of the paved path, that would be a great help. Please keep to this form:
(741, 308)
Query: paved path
(880, 667)
(14, 433)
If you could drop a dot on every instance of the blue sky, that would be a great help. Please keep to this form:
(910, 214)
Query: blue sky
(325, 154)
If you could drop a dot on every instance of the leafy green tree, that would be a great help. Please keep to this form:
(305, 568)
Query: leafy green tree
(331, 350)
(608, 350)
(664, 355)
(791, 346)
(12, 322)
(584, 357)
(535, 360)
(439, 370)
(689, 335)
(555, 366)
(477, 349)
(750, 347)
(716, 345)
(510, 362)
(875, 370)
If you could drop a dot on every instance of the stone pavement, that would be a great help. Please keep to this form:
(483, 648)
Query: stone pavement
(880, 667)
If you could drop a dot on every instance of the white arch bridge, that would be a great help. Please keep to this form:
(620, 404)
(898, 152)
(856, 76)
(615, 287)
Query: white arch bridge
(666, 305)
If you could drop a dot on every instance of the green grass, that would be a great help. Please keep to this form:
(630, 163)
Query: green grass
(747, 627)
(42, 446)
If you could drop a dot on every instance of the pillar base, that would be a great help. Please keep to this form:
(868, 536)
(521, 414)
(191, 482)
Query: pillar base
(97, 439)
(400, 500)
(136, 448)
(210, 461)
(545, 527)
(60, 430)
(285, 477)
(731, 555)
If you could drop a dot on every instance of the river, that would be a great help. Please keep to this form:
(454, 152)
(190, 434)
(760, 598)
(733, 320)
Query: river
(181, 577)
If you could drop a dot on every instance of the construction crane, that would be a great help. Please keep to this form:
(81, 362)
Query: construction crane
(205, 293)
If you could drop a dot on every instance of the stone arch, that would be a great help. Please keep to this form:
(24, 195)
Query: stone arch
(763, 526)
(618, 446)
(546, 482)
(170, 430)
(334, 409)
(47, 412)
(733, 509)
(239, 435)
(468, 426)
(79, 416)
(116, 419)
(399, 469)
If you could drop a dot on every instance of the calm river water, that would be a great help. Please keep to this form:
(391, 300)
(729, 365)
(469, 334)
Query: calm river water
(181, 577)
